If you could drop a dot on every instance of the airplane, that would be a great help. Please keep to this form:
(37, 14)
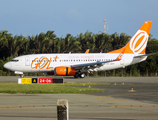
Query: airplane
(76, 64)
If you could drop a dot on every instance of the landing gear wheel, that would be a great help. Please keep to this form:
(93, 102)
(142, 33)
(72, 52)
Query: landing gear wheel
(82, 75)
(76, 75)
(21, 75)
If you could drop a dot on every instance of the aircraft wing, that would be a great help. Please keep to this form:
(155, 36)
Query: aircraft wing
(88, 65)
(98, 63)
(145, 55)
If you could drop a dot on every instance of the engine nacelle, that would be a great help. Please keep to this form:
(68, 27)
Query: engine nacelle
(64, 71)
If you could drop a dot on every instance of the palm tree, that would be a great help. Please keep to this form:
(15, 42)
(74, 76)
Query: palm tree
(31, 46)
(102, 42)
(42, 43)
(49, 42)
(4, 39)
(124, 38)
(17, 44)
(86, 41)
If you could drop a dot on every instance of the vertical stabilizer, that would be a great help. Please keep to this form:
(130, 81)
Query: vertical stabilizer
(138, 43)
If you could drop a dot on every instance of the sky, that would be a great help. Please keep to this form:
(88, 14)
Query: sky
(31, 17)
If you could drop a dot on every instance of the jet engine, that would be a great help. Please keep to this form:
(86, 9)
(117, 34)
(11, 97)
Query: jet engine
(64, 71)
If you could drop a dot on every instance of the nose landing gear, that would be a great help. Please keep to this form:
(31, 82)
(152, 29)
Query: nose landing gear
(21, 75)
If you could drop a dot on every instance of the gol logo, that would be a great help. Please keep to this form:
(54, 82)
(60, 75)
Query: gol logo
(42, 63)
(139, 41)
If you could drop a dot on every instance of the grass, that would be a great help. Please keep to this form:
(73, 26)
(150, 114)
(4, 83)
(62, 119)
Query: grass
(13, 88)
(73, 83)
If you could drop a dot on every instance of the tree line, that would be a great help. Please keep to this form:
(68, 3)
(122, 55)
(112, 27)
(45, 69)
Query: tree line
(13, 46)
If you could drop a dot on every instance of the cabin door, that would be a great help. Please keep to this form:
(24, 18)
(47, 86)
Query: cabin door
(27, 61)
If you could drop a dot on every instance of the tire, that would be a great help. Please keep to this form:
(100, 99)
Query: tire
(22, 75)
(82, 75)
(76, 75)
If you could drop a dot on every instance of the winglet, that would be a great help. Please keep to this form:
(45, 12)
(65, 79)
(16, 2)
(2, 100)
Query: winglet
(120, 55)
(87, 51)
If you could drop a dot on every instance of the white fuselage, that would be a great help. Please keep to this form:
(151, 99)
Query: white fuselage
(47, 62)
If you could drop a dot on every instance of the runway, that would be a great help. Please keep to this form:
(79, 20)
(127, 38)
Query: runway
(117, 102)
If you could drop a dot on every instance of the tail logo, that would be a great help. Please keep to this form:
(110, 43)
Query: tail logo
(138, 42)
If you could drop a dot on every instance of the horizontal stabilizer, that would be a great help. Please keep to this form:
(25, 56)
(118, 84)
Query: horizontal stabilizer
(145, 55)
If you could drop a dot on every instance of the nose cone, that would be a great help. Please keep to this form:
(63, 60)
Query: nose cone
(7, 65)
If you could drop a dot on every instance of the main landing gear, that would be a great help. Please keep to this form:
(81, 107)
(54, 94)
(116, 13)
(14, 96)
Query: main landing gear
(81, 75)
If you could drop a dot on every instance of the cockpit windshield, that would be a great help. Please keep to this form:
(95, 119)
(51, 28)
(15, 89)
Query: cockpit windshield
(14, 60)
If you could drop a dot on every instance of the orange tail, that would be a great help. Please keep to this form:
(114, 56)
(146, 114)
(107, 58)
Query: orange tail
(138, 43)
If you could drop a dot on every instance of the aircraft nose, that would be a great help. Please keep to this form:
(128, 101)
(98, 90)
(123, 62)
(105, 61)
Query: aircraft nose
(7, 65)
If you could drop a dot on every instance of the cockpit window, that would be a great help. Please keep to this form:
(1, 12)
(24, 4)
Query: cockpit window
(14, 60)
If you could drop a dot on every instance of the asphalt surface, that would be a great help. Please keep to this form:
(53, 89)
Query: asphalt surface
(128, 98)
(91, 79)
